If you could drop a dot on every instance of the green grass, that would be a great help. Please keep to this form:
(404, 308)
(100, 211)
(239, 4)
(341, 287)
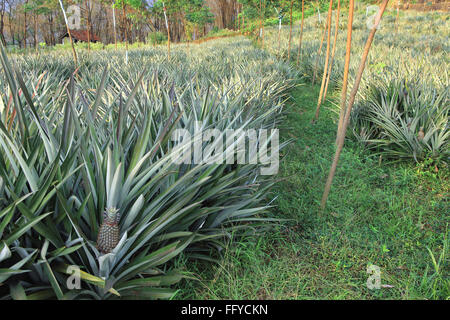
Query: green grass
(378, 213)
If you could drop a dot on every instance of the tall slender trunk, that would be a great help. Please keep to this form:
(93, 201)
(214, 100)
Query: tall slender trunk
(290, 31)
(333, 52)
(35, 32)
(52, 33)
(353, 93)
(11, 29)
(327, 59)
(2, 24)
(25, 27)
(88, 26)
(301, 34)
(238, 20)
(168, 32)
(114, 25)
(125, 26)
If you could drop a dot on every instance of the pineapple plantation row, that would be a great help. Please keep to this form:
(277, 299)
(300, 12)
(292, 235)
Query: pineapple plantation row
(402, 108)
(89, 180)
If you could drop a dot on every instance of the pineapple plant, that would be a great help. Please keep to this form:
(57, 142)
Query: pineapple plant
(107, 157)
(108, 235)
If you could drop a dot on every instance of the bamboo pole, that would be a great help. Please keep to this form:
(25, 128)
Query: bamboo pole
(318, 55)
(290, 31)
(333, 52)
(327, 59)
(301, 34)
(346, 69)
(70, 36)
(353, 93)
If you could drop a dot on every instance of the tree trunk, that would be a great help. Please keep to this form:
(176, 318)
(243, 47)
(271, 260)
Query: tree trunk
(114, 26)
(25, 27)
(2, 23)
(35, 32)
(88, 27)
(52, 33)
(125, 26)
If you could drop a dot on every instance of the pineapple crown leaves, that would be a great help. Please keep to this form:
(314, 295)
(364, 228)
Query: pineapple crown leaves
(112, 215)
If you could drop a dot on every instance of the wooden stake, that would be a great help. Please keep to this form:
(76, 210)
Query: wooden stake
(353, 93)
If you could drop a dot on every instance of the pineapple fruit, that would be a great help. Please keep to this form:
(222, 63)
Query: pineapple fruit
(108, 235)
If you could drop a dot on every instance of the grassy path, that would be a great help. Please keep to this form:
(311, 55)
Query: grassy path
(381, 214)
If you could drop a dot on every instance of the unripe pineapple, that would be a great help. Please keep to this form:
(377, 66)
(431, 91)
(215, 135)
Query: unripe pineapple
(108, 235)
(421, 134)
